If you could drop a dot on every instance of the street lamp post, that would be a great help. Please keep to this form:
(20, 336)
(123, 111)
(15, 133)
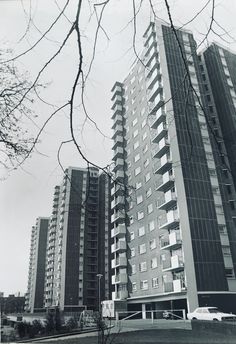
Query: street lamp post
(100, 325)
(99, 292)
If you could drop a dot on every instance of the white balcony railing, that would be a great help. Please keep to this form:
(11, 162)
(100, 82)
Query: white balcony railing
(157, 118)
(119, 278)
(169, 200)
(174, 263)
(117, 262)
(167, 181)
(119, 231)
(171, 241)
(118, 246)
(159, 133)
(172, 219)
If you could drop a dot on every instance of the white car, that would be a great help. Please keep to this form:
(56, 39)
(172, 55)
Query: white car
(210, 313)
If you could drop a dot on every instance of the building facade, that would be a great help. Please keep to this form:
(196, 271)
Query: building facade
(79, 242)
(34, 299)
(172, 220)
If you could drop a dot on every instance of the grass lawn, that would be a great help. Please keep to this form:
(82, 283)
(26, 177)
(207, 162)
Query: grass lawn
(177, 336)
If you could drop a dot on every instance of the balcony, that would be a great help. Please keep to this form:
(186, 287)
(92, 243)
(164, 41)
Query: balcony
(117, 189)
(118, 130)
(157, 103)
(117, 99)
(120, 278)
(119, 262)
(117, 110)
(118, 215)
(149, 39)
(118, 153)
(118, 231)
(117, 120)
(167, 182)
(157, 118)
(176, 286)
(172, 220)
(120, 245)
(151, 61)
(119, 174)
(151, 50)
(163, 165)
(118, 140)
(119, 163)
(159, 133)
(152, 77)
(153, 93)
(172, 241)
(161, 149)
(169, 200)
(179, 286)
(117, 87)
(118, 202)
(119, 295)
(175, 263)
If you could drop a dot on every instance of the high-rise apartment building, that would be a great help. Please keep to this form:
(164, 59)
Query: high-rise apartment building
(221, 66)
(79, 241)
(34, 299)
(172, 215)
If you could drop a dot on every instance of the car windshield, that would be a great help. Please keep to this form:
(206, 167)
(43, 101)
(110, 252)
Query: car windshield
(214, 310)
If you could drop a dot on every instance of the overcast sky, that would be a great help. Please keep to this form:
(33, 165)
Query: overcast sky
(26, 193)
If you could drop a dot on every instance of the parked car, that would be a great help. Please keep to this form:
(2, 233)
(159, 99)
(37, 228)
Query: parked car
(210, 313)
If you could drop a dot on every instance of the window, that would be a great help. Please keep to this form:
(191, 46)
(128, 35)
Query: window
(155, 283)
(134, 286)
(135, 133)
(142, 112)
(131, 236)
(133, 269)
(132, 252)
(226, 250)
(146, 162)
(152, 244)
(150, 208)
(138, 185)
(151, 225)
(135, 121)
(142, 248)
(136, 144)
(144, 122)
(137, 171)
(144, 285)
(131, 219)
(128, 151)
(132, 80)
(139, 199)
(222, 229)
(144, 136)
(145, 149)
(154, 263)
(143, 266)
(147, 177)
(137, 157)
(128, 164)
(140, 215)
(212, 172)
(141, 231)
(229, 273)
(148, 192)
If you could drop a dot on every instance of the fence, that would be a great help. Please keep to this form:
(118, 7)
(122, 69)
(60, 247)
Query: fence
(152, 315)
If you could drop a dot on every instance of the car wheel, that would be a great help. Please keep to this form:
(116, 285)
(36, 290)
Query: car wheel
(194, 318)
(215, 319)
